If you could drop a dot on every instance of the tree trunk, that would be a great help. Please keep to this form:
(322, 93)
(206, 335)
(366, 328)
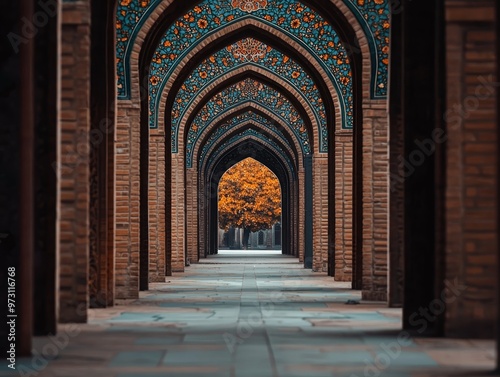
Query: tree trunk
(246, 236)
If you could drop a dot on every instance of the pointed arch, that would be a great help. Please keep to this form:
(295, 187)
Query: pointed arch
(228, 156)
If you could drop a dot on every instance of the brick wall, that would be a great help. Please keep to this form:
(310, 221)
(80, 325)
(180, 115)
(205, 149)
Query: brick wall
(471, 202)
(74, 183)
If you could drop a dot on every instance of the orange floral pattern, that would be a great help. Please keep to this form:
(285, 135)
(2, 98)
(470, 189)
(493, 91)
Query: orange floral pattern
(291, 15)
(248, 90)
(249, 6)
(248, 50)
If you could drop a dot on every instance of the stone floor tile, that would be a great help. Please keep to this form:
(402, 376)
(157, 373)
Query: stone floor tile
(198, 357)
(137, 359)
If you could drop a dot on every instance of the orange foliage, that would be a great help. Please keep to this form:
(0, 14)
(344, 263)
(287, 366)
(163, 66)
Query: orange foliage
(249, 197)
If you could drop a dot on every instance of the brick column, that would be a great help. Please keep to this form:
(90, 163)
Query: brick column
(74, 184)
(293, 246)
(375, 199)
(343, 205)
(193, 213)
(157, 207)
(201, 198)
(294, 219)
(471, 198)
(320, 212)
(301, 213)
(178, 212)
(127, 243)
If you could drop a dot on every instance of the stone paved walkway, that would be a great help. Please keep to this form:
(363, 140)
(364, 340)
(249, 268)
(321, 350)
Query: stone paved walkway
(255, 316)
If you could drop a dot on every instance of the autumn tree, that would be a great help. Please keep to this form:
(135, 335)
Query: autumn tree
(249, 198)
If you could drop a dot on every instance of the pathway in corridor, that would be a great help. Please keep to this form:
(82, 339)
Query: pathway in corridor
(255, 316)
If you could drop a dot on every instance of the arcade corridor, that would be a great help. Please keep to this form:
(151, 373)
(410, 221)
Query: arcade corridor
(378, 121)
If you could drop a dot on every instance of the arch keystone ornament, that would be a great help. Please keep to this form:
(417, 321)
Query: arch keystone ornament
(249, 50)
(249, 6)
(249, 87)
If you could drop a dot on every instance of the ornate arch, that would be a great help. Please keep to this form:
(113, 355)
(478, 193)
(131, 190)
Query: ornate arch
(233, 114)
(239, 57)
(230, 154)
(235, 124)
(289, 109)
(278, 40)
(287, 75)
(242, 93)
(370, 20)
(225, 61)
(247, 134)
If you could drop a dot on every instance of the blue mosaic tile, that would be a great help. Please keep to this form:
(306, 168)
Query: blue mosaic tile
(289, 16)
(244, 135)
(230, 59)
(226, 127)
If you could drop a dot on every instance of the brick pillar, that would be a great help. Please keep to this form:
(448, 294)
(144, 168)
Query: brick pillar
(156, 200)
(471, 198)
(320, 212)
(127, 243)
(193, 214)
(293, 220)
(74, 184)
(396, 179)
(178, 212)
(375, 200)
(111, 219)
(343, 205)
(202, 227)
(301, 214)
(419, 104)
